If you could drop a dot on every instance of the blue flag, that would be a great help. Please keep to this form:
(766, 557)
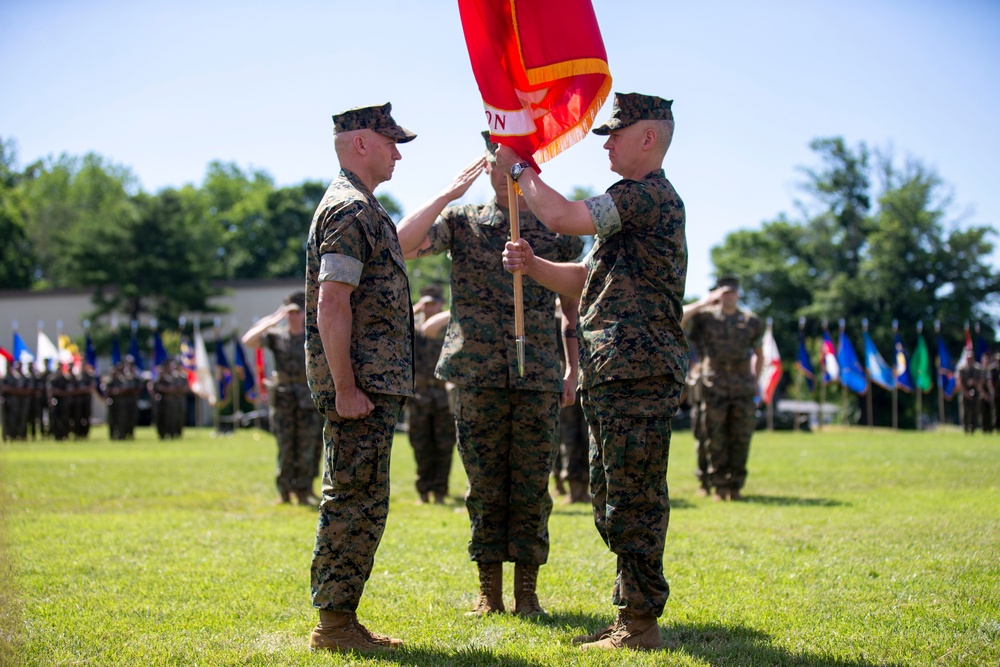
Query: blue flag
(116, 350)
(21, 352)
(804, 363)
(981, 348)
(852, 373)
(159, 352)
(223, 371)
(133, 347)
(245, 372)
(90, 353)
(902, 366)
(946, 370)
(878, 370)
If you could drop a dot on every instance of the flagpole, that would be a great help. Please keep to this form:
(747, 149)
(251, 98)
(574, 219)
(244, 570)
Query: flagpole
(822, 381)
(843, 387)
(916, 384)
(515, 234)
(216, 411)
(940, 382)
(895, 386)
(869, 401)
(232, 379)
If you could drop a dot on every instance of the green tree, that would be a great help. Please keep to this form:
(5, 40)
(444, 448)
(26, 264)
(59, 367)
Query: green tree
(16, 256)
(66, 200)
(159, 260)
(905, 260)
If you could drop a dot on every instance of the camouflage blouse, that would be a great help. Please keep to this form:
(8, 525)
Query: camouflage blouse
(725, 343)
(630, 311)
(352, 239)
(479, 348)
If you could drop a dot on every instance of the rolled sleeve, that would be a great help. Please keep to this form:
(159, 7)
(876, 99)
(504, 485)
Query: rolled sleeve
(604, 213)
(340, 268)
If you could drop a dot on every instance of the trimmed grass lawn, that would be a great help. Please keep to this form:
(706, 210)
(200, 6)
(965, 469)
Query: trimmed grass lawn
(855, 548)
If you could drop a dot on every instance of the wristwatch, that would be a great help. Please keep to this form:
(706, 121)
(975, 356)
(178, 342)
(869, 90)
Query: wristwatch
(517, 169)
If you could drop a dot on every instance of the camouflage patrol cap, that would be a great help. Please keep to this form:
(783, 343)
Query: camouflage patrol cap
(491, 147)
(377, 119)
(295, 301)
(728, 283)
(632, 107)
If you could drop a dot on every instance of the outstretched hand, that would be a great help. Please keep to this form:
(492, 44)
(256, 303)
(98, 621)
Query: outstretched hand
(461, 183)
(517, 256)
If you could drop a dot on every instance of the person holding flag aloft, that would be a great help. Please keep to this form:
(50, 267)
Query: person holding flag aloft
(507, 424)
(633, 354)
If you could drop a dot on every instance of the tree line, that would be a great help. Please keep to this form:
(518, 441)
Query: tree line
(72, 222)
(873, 238)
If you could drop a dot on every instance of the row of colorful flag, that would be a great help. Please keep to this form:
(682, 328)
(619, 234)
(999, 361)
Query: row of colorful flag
(840, 363)
(207, 380)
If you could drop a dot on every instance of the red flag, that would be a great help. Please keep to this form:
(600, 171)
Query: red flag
(6, 355)
(541, 68)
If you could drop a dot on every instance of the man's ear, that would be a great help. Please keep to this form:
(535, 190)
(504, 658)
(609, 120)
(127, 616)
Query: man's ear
(649, 138)
(360, 145)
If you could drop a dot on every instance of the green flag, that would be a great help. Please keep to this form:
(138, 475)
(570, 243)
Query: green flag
(920, 366)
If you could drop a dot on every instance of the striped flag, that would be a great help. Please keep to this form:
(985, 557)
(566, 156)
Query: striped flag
(770, 374)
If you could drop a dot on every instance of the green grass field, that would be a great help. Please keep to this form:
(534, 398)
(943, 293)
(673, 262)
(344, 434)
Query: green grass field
(856, 548)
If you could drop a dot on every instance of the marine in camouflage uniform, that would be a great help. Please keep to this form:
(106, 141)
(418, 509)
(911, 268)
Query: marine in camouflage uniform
(633, 355)
(970, 383)
(507, 425)
(430, 423)
(725, 336)
(698, 430)
(295, 423)
(359, 364)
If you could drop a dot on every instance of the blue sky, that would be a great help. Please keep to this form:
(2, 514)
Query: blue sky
(164, 89)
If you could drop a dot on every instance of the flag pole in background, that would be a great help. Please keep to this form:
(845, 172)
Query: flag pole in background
(895, 387)
(542, 72)
(235, 387)
(940, 372)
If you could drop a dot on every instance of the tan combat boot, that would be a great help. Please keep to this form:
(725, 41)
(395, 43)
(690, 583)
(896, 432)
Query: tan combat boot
(490, 600)
(597, 636)
(639, 632)
(340, 631)
(525, 599)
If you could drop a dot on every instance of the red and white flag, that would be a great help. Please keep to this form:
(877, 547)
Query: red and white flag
(542, 71)
(770, 374)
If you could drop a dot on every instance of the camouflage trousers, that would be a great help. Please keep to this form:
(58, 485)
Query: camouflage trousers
(298, 428)
(431, 428)
(355, 503)
(507, 439)
(970, 413)
(629, 447)
(701, 444)
(729, 425)
(574, 449)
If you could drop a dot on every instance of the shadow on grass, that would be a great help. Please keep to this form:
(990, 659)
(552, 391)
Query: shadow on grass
(468, 657)
(722, 645)
(790, 501)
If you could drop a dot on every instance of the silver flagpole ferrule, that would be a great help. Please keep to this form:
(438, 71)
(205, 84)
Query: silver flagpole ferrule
(519, 341)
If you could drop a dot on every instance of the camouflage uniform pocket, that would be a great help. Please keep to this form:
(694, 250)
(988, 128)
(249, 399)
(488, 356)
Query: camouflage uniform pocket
(355, 462)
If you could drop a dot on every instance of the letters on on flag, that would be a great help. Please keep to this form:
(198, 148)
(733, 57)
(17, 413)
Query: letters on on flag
(852, 373)
(878, 369)
(770, 374)
(542, 71)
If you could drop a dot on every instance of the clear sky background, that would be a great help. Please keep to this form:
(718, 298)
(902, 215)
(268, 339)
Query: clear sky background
(166, 88)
